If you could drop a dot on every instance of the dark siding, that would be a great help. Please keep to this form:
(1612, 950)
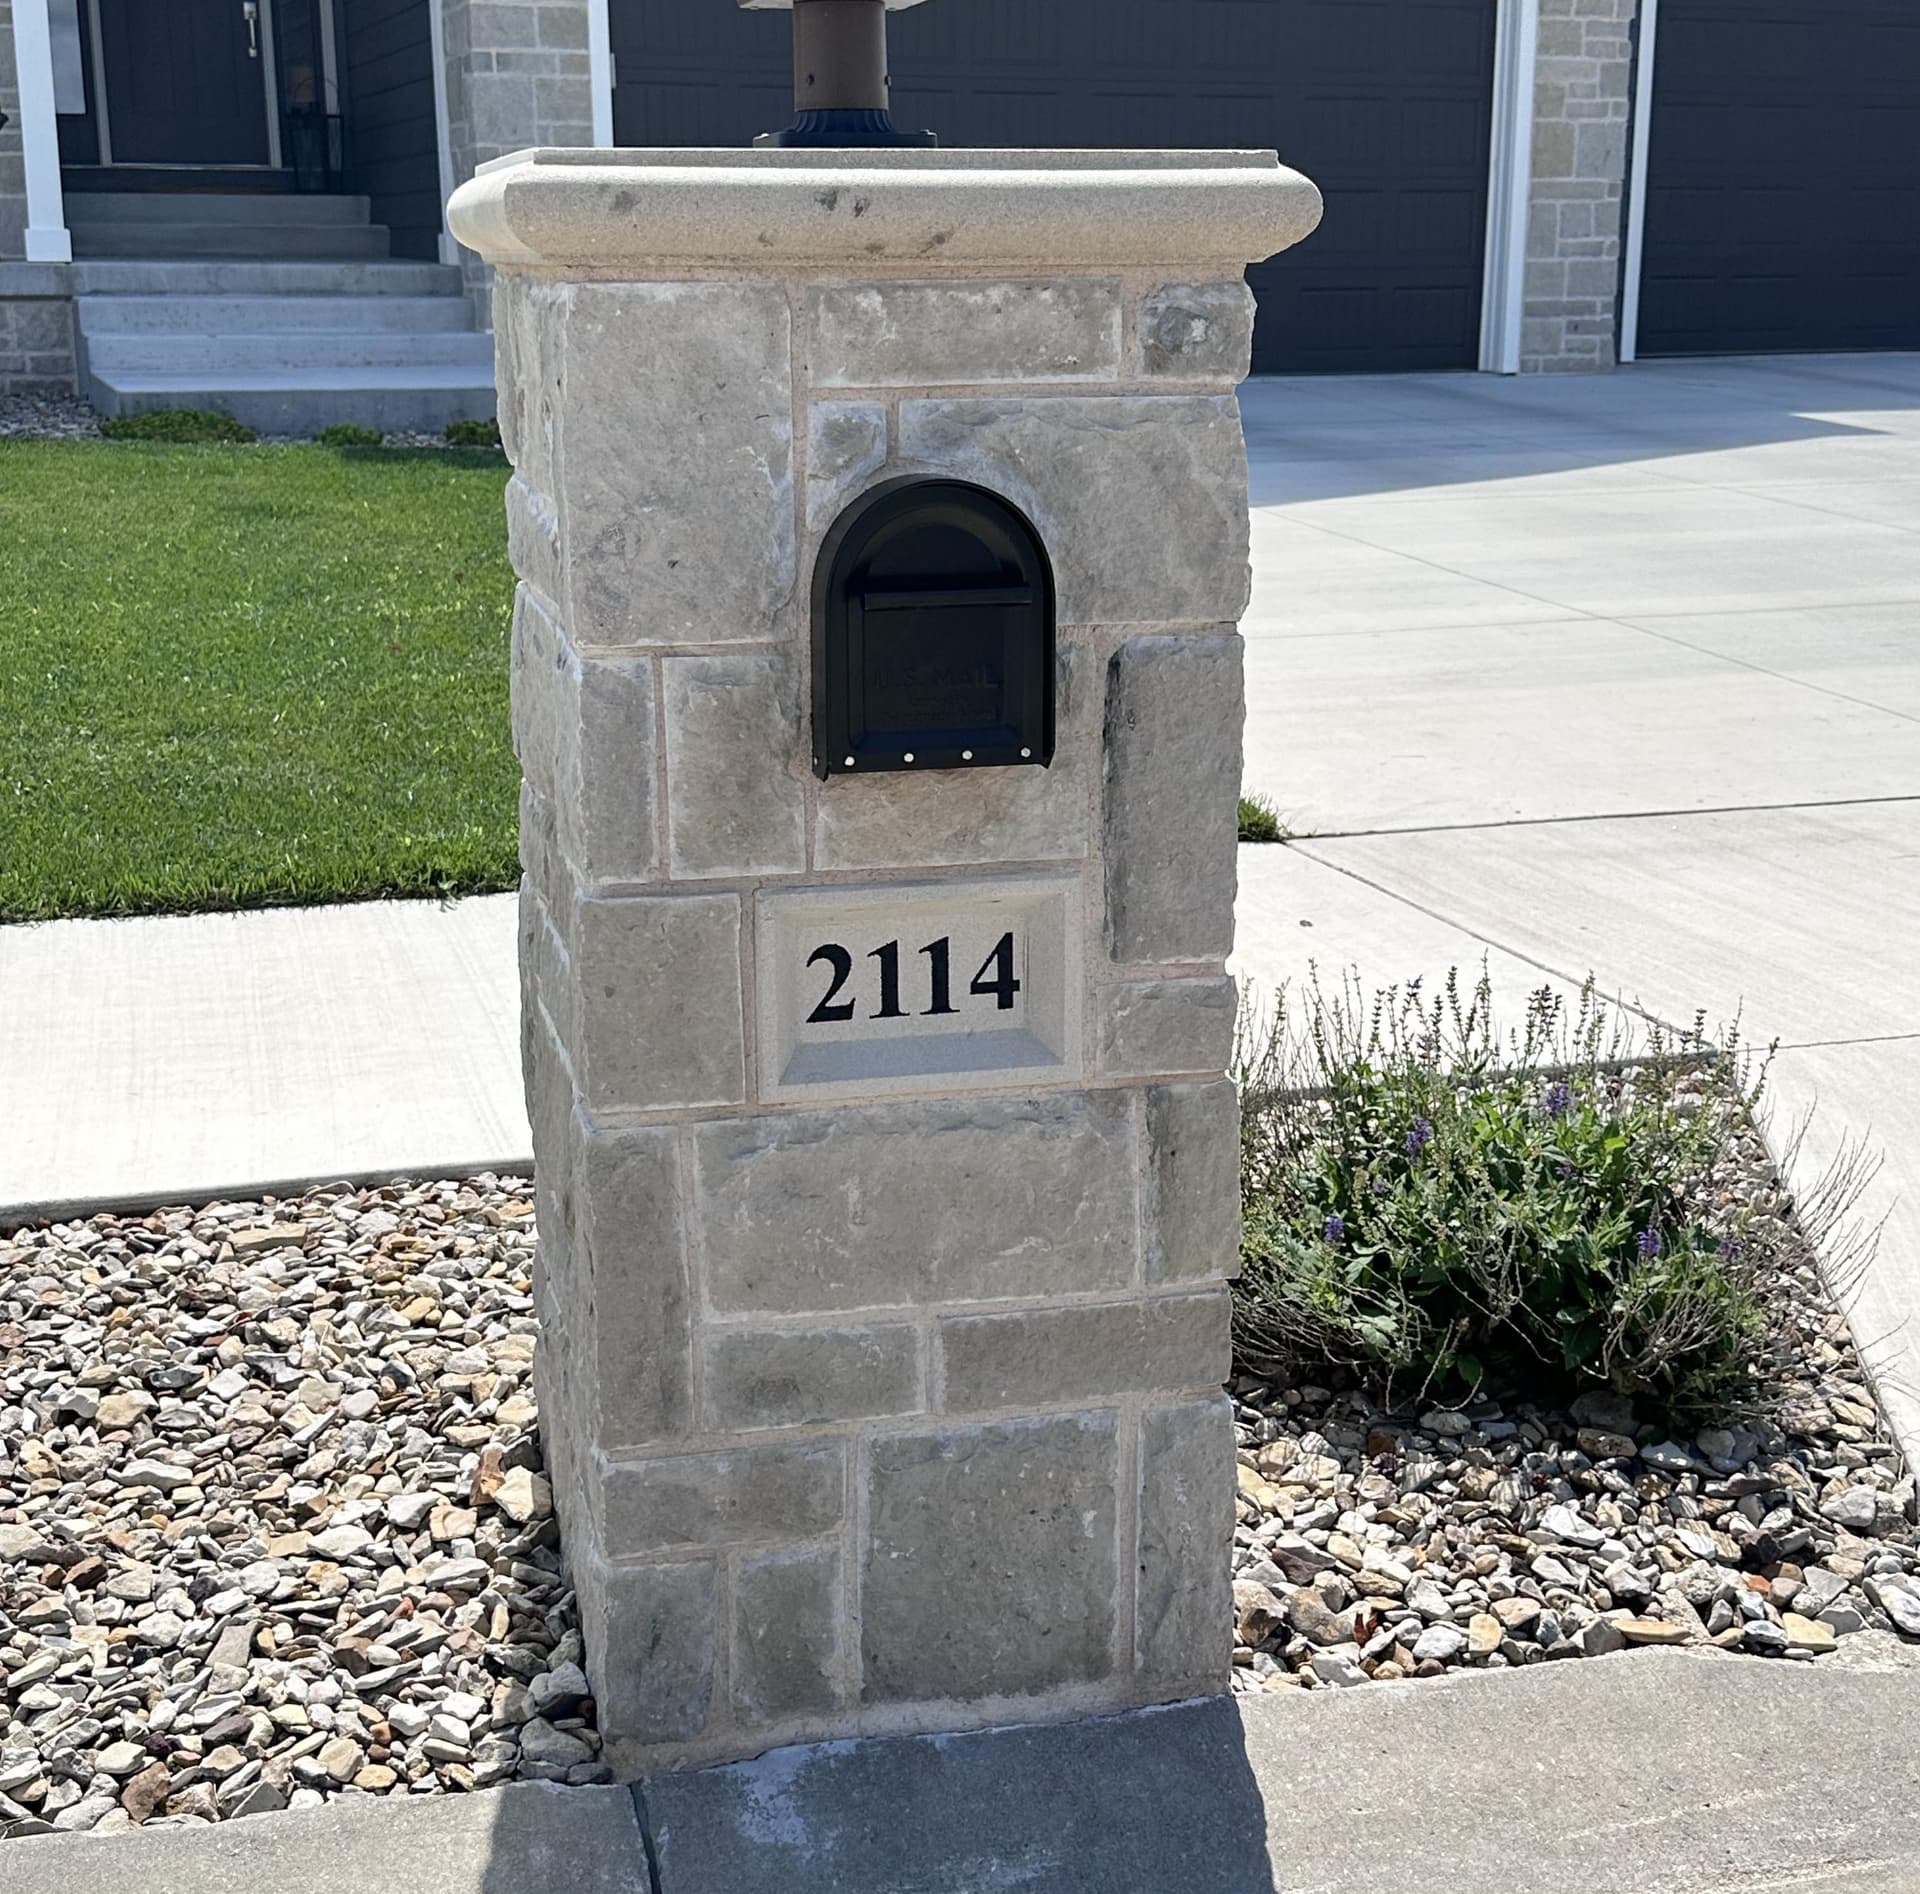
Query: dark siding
(1386, 104)
(392, 143)
(1783, 177)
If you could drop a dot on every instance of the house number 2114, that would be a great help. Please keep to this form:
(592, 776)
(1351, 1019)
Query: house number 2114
(994, 981)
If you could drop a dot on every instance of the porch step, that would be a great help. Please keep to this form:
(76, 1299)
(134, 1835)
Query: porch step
(111, 352)
(86, 208)
(177, 237)
(283, 311)
(213, 278)
(301, 401)
(255, 315)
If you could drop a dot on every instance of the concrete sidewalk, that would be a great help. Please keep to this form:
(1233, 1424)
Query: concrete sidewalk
(1656, 1769)
(1617, 676)
(185, 1058)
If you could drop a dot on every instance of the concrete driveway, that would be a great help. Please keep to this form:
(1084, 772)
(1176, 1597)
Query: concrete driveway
(1617, 675)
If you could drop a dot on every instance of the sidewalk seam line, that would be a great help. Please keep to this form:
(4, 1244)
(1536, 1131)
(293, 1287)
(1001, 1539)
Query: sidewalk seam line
(1473, 933)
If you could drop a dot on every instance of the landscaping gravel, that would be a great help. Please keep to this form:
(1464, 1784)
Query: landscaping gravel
(274, 1525)
(1375, 1545)
(47, 418)
(68, 418)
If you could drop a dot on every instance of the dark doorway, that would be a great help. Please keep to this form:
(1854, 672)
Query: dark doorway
(185, 81)
(1386, 104)
(1783, 178)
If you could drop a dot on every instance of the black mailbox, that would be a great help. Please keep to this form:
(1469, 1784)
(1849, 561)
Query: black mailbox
(933, 633)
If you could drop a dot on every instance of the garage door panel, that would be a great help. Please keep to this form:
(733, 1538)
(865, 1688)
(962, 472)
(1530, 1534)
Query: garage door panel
(1385, 103)
(1783, 185)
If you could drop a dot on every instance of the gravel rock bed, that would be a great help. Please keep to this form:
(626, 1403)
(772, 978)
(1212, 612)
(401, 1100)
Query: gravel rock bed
(1373, 1546)
(274, 1526)
(47, 418)
(68, 418)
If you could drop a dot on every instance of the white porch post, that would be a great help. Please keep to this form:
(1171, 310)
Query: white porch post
(1509, 185)
(600, 62)
(442, 123)
(47, 239)
(1637, 183)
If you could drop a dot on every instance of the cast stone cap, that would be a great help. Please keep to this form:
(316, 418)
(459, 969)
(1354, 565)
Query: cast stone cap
(771, 209)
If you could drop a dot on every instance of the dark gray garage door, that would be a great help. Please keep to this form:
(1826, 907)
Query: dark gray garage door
(1385, 103)
(1783, 179)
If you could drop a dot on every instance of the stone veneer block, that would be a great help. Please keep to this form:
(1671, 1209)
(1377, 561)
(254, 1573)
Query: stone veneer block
(659, 1021)
(846, 447)
(784, 1377)
(677, 512)
(651, 1633)
(1035, 1357)
(1183, 1630)
(1197, 332)
(1016, 1520)
(736, 1496)
(633, 1246)
(880, 1344)
(1174, 710)
(1151, 1027)
(1141, 499)
(584, 732)
(883, 335)
(736, 805)
(1193, 1182)
(786, 1634)
(876, 1206)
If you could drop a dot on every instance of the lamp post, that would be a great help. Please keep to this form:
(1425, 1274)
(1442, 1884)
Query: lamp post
(840, 74)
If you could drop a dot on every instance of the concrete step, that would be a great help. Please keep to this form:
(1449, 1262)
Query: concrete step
(241, 315)
(88, 208)
(392, 277)
(238, 352)
(302, 401)
(167, 239)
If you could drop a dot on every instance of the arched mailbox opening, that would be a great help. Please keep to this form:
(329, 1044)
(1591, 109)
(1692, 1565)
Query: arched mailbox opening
(933, 634)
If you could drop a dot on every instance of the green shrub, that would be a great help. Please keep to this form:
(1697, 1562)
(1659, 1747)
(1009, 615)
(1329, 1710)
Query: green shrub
(1434, 1206)
(177, 426)
(349, 434)
(473, 434)
(1260, 821)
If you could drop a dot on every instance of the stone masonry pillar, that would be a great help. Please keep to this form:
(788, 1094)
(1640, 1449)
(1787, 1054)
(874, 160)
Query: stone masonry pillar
(886, 1168)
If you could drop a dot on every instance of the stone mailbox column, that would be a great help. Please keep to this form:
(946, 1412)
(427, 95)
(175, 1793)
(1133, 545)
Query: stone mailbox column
(887, 1172)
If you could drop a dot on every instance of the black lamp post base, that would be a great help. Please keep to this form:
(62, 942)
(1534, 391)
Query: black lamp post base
(845, 126)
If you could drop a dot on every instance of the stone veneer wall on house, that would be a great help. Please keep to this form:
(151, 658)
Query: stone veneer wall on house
(36, 329)
(517, 75)
(1576, 211)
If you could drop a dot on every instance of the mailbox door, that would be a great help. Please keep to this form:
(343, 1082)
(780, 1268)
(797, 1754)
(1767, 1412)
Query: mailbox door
(933, 634)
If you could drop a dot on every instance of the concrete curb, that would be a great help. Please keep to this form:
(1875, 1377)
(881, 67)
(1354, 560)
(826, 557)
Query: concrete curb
(74, 1209)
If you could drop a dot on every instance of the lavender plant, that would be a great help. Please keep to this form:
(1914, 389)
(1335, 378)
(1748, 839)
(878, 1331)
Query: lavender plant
(1445, 1208)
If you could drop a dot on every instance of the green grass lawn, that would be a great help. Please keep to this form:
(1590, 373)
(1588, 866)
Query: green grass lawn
(239, 676)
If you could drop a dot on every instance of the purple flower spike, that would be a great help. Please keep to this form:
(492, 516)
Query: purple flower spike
(1419, 1136)
(1648, 1244)
(1559, 1099)
(1336, 1228)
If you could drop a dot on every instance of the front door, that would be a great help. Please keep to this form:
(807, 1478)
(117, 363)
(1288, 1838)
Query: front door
(187, 81)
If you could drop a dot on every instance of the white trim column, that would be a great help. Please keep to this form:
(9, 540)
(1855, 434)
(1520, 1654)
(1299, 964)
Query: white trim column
(442, 124)
(600, 65)
(1637, 183)
(47, 239)
(1509, 185)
